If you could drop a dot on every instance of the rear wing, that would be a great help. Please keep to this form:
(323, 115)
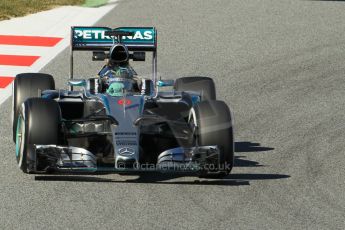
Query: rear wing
(95, 39)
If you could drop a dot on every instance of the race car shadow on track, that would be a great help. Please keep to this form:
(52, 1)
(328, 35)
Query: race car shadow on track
(237, 179)
(245, 147)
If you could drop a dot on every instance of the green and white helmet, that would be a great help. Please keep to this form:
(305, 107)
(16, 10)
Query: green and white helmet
(118, 79)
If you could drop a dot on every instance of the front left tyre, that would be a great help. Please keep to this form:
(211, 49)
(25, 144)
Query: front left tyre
(38, 123)
(213, 125)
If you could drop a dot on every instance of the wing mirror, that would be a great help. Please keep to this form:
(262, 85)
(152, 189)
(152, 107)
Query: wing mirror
(77, 82)
(165, 83)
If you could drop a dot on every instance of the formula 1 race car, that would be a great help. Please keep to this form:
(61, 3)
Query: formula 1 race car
(118, 121)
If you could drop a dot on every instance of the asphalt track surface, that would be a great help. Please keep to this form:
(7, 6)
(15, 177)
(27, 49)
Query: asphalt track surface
(278, 64)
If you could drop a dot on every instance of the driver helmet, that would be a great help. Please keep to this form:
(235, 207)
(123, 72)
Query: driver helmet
(118, 79)
(117, 74)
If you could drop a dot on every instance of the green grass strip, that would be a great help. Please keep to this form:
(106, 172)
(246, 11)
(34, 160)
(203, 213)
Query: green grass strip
(17, 8)
(95, 3)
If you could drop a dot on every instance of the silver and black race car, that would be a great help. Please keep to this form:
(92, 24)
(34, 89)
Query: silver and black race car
(119, 121)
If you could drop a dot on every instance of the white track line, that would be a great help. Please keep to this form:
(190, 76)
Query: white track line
(24, 50)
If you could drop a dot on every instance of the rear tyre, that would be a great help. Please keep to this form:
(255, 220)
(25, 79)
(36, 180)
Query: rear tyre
(204, 85)
(214, 126)
(27, 85)
(37, 124)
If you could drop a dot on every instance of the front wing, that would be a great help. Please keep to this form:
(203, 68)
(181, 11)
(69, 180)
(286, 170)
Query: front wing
(73, 159)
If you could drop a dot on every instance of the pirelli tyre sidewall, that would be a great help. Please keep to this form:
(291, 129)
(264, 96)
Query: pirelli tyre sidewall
(27, 85)
(214, 126)
(38, 124)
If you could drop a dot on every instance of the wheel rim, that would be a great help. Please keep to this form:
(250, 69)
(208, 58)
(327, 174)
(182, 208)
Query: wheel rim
(20, 133)
(193, 124)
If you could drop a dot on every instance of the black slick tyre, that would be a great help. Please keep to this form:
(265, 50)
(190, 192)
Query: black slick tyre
(27, 85)
(204, 85)
(214, 126)
(38, 123)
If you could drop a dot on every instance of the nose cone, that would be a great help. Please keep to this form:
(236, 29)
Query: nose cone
(119, 53)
